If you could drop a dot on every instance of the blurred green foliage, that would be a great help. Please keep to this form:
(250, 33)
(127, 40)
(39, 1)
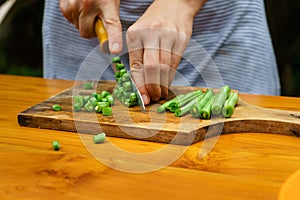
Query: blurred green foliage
(21, 40)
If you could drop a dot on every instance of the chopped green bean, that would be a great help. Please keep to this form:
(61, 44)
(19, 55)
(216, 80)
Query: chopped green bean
(186, 108)
(195, 109)
(164, 106)
(86, 99)
(55, 145)
(205, 111)
(110, 99)
(99, 138)
(116, 60)
(220, 99)
(184, 100)
(122, 72)
(104, 93)
(77, 107)
(107, 111)
(120, 66)
(93, 101)
(229, 104)
(100, 105)
(127, 85)
(88, 85)
(56, 107)
(78, 99)
(125, 77)
(89, 107)
(117, 75)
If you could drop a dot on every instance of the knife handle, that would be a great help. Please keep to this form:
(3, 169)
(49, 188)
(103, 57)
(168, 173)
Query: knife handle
(101, 33)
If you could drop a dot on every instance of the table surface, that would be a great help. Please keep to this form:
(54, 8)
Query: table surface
(240, 166)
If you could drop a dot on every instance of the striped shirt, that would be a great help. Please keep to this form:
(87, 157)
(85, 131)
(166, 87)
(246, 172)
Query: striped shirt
(230, 44)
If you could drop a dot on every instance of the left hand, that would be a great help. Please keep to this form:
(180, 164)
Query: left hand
(156, 43)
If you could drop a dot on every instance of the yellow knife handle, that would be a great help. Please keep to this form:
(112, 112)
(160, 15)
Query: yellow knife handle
(102, 36)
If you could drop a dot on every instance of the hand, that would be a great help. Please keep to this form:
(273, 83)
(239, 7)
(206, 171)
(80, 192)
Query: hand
(84, 13)
(156, 43)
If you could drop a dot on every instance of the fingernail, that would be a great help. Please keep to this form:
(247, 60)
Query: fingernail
(115, 47)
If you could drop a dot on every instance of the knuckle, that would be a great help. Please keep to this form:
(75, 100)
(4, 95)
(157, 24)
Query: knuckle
(112, 21)
(131, 33)
(164, 68)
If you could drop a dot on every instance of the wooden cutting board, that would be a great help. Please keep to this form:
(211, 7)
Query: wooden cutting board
(152, 126)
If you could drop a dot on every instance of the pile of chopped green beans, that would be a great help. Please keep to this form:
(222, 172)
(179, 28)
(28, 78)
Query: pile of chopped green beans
(124, 90)
(202, 105)
(96, 102)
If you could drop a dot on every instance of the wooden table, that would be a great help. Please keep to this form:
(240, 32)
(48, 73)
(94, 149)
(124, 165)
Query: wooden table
(241, 166)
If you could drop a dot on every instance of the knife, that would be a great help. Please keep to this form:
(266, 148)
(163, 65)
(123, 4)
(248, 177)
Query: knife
(101, 33)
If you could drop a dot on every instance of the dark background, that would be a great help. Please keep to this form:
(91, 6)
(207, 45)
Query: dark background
(21, 40)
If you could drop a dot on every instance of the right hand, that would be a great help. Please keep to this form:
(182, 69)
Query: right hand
(83, 14)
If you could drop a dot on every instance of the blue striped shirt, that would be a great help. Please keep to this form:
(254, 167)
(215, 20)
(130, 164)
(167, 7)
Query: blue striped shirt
(230, 44)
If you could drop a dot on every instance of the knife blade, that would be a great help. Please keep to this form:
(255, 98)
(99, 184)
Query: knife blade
(102, 36)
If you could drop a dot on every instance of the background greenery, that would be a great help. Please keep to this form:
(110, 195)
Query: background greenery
(21, 40)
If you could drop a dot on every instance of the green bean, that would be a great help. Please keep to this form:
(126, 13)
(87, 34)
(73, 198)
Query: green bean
(55, 145)
(229, 104)
(78, 99)
(186, 108)
(220, 99)
(120, 66)
(116, 60)
(129, 103)
(86, 99)
(195, 110)
(100, 106)
(99, 138)
(164, 106)
(122, 72)
(93, 101)
(110, 99)
(205, 112)
(125, 77)
(117, 75)
(77, 107)
(133, 97)
(104, 93)
(107, 111)
(56, 107)
(184, 100)
(88, 85)
(89, 107)
(127, 85)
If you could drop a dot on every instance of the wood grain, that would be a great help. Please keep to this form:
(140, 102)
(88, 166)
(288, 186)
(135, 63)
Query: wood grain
(152, 126)
(240, 166)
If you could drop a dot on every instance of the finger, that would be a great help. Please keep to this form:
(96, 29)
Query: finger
(135, 52)
(111, 19)
(175, 60)
(178, 49)
(152, 66)
(70, 10)
(137, 73)
(165, 63)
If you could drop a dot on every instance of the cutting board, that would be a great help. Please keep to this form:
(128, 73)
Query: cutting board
(131, 123)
